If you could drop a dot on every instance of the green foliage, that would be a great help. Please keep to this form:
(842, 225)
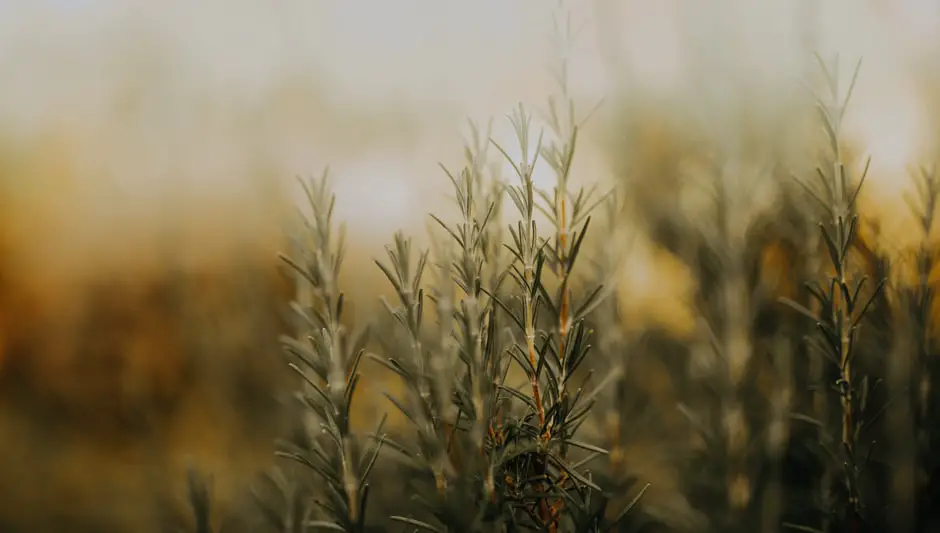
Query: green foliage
(496, 331)
(842, 307)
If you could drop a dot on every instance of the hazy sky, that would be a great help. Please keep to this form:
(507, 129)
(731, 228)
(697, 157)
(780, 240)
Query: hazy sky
(379, 90)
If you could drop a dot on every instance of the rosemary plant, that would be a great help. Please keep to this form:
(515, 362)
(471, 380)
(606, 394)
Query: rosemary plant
(327, 358)
(921, 370)
(843, 307)
(723, 404)
(495, 457)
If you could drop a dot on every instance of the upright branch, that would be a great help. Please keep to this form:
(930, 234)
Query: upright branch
(473, 315)
(843, 306)
(327, 358)
(559, 155)
(414, 362)
(727, 303)
(548, 358)
(567, 210)
(920, 369)
(527, 247)
(456, 383)
(924, 207)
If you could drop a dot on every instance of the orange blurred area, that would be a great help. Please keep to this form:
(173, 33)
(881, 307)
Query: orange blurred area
(130, 349)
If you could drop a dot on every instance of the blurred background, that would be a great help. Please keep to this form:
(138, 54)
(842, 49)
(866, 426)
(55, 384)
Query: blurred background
(148, 146)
